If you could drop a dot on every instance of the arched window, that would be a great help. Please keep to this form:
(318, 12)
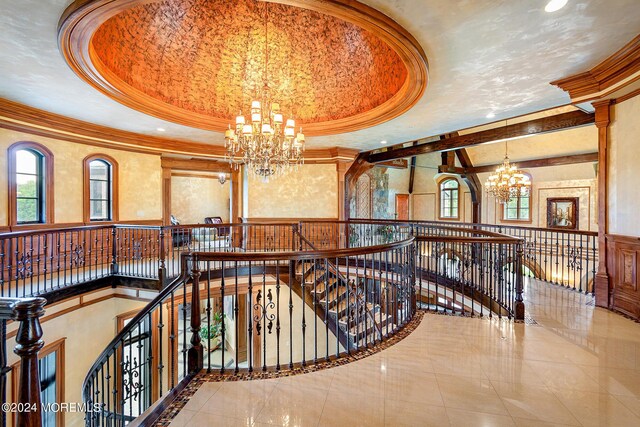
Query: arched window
(100, 188)
(518, 208)
(30, 184)
(449, 199)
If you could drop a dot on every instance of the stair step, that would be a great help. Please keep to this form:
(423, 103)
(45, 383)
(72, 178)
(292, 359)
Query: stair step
(368, 326)
(336, 294)
(322, 285)
(380, 318)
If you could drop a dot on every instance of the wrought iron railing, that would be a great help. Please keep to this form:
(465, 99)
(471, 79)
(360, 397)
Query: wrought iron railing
(562, 257)
(254, 310)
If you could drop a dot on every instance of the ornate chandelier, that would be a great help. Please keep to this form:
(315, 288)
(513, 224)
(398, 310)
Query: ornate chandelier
(507, 182)
(264, 141)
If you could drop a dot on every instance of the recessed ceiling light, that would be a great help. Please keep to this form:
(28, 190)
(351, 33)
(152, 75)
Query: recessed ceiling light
(491, 115)
(160, 129)
(555, 5)
(383, 142)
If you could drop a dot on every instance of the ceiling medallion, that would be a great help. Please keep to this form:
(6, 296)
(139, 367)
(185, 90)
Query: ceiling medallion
(265, 143)
(507, 182)
(338, 65)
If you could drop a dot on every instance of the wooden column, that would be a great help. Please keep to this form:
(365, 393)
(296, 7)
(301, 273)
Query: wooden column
(341, 169)
(603, 110)
(166, 196)
(235, 196)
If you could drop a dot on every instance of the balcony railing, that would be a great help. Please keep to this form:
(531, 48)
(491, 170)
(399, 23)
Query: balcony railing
(265, 296)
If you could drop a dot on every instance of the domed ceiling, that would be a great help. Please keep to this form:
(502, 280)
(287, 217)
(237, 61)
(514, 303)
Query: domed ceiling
(201, 62)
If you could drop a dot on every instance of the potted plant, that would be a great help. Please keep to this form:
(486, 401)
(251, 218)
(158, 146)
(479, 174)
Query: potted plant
(213, 334)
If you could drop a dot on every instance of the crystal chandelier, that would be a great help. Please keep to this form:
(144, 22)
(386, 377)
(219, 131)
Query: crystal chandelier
(507, 182)
(264, 141)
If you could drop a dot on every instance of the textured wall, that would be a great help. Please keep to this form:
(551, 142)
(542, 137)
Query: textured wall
(194, 198)
(140, 179)
(584, 189)
(624, 203)
(311, 191)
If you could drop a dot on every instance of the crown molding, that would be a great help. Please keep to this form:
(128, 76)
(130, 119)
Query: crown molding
(613, 74)
(23, 118)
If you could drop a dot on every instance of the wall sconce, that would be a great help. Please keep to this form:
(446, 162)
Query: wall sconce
(222, 178)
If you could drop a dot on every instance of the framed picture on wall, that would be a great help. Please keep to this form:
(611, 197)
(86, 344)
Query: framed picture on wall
(562, 213)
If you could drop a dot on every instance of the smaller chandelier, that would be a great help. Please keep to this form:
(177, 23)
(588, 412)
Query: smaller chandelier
(507, 182)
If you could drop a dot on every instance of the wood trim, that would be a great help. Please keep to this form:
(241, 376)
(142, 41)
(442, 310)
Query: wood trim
(439, 182)
(629, 95)
(82, 19)
(35, 227)
(166, 196)
(56, 346)
(602, 285)
(49, 207)
(22, 118)
(540, 163)
(201, 165)
(472, 181)
(614, 73)
(517, 130)
(193, 175)
(86, 214)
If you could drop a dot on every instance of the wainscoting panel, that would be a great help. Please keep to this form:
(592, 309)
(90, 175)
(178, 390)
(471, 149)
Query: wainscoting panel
(622, 264)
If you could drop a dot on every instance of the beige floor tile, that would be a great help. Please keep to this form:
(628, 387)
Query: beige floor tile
(204, 419)
(533, 402)
(182, 418)
(616, 381)
(632, 403)
(293, 405)
(200, 397)
(526, 422)
(468, 393)
(408, 386)
(242, 399)
(345, 410)
(597, 409)
(461, 418)
(400, 414)
(564, 376)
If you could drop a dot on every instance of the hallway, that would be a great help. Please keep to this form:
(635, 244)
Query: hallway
(579, 365)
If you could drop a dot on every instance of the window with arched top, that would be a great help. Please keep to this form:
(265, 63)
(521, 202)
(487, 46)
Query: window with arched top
(518, 208)
(30, 184)
(449, 199)
(100, 188)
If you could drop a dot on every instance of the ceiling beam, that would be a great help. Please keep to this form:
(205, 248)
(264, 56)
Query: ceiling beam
(540, 163)
(473, 183)
(517, 130)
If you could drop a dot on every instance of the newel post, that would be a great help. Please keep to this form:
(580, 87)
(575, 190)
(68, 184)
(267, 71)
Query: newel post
(519, 308)
(195, 355)
(28, 344)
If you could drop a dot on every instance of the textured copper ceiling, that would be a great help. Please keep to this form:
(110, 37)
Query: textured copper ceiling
(200, 62)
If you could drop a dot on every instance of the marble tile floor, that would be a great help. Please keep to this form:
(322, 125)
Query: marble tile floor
(579, 366)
